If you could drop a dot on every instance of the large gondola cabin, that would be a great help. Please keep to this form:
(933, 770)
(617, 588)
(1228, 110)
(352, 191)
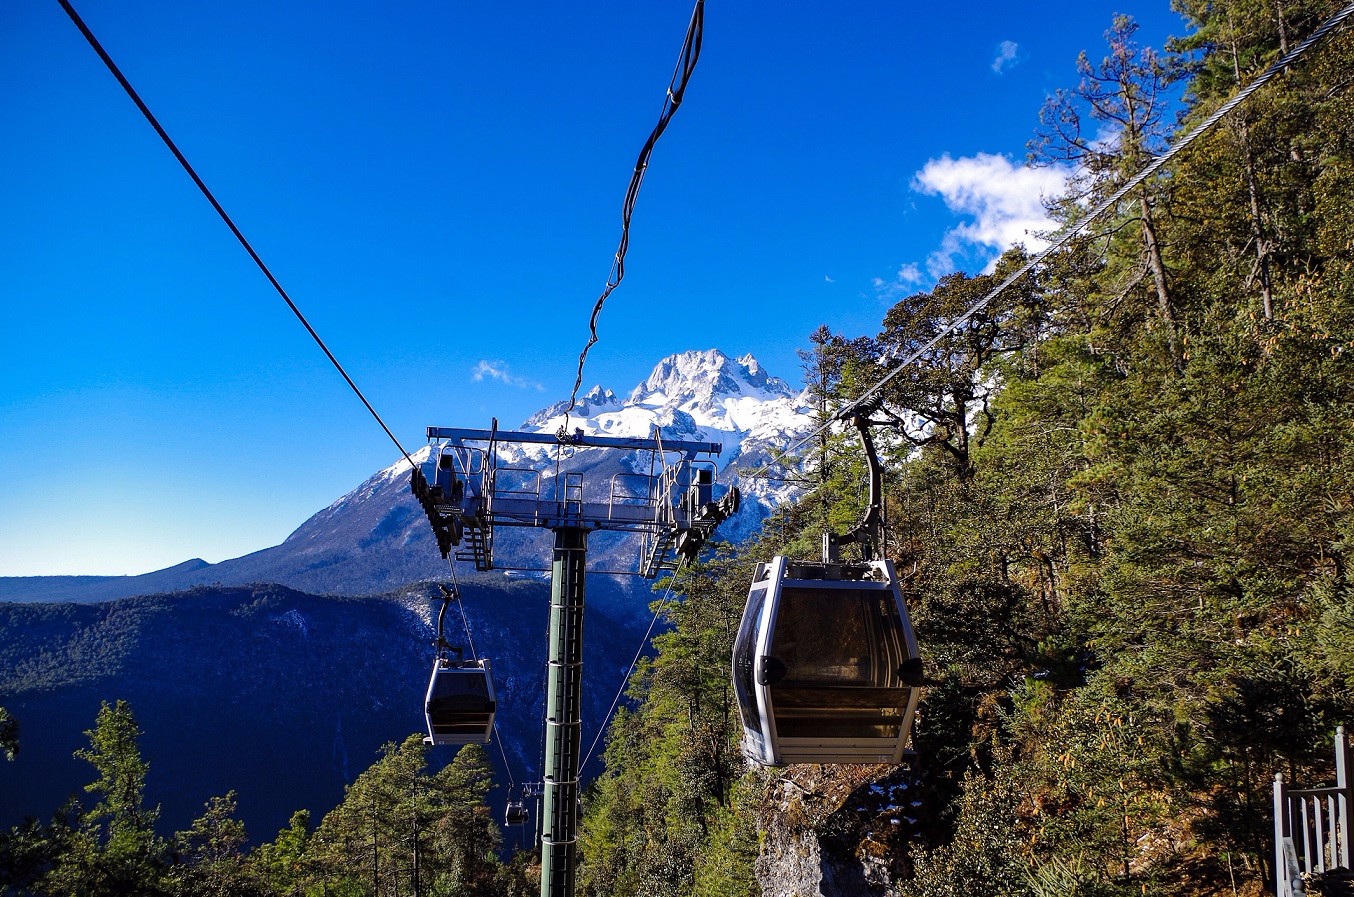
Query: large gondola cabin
(825, 664)
(460, 703)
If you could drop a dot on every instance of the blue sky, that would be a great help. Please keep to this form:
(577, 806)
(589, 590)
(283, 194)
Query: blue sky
(438, 185)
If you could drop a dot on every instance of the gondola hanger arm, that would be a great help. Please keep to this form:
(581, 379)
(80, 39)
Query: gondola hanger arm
(869, 534)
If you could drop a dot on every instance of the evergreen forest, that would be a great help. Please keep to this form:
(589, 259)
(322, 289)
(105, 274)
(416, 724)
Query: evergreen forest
(1122, 495)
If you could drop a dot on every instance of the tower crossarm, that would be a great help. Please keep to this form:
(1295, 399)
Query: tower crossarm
(578, 439)
(467, 493)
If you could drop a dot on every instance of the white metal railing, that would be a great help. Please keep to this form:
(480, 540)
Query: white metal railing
(630, 489)
(517, 482)
(1312, 826)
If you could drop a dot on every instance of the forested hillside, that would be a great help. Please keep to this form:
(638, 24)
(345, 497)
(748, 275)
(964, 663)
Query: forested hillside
(401, 828)
(1125, 488)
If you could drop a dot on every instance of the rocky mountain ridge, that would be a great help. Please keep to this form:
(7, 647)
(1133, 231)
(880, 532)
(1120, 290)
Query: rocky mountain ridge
(375, 539)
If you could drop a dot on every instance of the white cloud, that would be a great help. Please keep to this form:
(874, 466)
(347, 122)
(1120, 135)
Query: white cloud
(909, 279)
(910, 275)
(1004, 200)
(1007, 55)
(498, 370)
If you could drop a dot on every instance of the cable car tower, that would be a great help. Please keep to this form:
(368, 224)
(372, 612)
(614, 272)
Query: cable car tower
(467, 493)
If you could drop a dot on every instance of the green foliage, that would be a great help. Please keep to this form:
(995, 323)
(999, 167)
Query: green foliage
(283, 865)
(29, 852)
(9, 734)
(398, 829)
(985, 858)
(113, 848)
(209, 856)
(670, 815)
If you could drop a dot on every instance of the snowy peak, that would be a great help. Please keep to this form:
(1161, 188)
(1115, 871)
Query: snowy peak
(705, 378)
(701, 396)
(599, 396)
(596, 401)
(691, 395)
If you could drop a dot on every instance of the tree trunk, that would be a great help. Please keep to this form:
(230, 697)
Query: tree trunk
(1253, 187)
(1158, 268)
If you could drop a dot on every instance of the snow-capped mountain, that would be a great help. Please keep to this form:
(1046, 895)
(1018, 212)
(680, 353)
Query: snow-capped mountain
(697, 395)
(375, 538)
(687, 394)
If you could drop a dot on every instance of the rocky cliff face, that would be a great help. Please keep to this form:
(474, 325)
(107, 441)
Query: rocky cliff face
(837, 831)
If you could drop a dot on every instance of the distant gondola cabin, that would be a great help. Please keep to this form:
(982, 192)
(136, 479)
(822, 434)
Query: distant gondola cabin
(515, 813)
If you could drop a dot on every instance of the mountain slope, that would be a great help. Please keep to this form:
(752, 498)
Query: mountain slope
(282, 696)
(375, 539)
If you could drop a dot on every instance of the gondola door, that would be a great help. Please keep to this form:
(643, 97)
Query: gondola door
(748, 646)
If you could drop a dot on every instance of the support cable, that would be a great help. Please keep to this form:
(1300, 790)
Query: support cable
(625, 680)
(465, 621)
(1175, 149)
(470, 642)
(220, 210)
(686, 64)
(507, 767)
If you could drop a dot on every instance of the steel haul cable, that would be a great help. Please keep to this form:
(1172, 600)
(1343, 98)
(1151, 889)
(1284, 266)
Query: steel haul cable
(606, 720)
(686, 64)
(220, 210)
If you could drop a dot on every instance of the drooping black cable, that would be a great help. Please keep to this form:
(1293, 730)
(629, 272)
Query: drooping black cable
(173, 148)
(686, 64)
(639, 652)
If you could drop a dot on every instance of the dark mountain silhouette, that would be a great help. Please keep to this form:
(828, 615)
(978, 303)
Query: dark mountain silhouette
(280, 695)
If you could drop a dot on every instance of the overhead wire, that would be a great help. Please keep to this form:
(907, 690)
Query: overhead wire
(465, 620)
(686, 65)
(225, 216)
(470, 642)
(866, 398)
(658, 611)
(507, 767)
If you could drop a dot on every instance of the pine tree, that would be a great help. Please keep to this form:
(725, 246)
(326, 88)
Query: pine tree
(284, 864)
(1109, 127)
(114, 849)
(209, 856)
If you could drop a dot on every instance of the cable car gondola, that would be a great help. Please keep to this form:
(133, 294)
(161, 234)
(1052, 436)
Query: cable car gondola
(825, 663)
(515, 813)
(460, 704)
